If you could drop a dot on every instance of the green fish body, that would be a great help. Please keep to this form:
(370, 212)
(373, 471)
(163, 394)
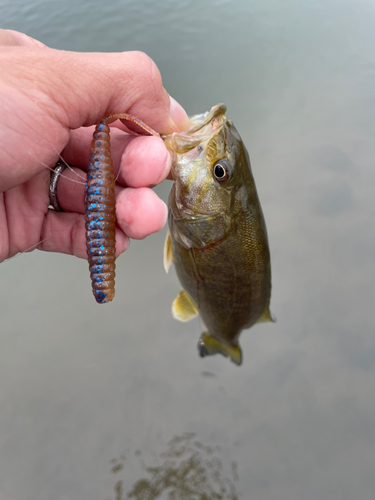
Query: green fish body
(217, 236)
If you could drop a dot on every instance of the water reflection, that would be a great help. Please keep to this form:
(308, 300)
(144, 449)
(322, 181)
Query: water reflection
(189, 470)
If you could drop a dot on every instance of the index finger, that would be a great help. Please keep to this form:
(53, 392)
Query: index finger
(85, 87)
(11, 37)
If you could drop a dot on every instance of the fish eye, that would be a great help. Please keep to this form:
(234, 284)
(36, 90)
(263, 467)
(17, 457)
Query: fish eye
(221, 171)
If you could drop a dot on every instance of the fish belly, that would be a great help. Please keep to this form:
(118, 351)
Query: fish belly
(230, 287)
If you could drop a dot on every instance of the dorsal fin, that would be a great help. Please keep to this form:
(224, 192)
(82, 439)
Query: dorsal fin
(184, 308)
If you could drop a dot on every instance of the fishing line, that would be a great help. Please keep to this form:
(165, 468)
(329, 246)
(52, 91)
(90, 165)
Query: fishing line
(83, 183)
(33, 247)
(77, 173)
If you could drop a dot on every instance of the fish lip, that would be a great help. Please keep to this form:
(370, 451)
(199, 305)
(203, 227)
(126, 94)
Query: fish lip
(219, 109)
(182, 142)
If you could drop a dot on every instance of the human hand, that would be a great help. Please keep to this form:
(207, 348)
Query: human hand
(50, 101)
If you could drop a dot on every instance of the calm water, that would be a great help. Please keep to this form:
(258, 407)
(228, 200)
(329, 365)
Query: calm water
(91, 396)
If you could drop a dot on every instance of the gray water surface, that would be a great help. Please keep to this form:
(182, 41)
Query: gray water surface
(90, 396)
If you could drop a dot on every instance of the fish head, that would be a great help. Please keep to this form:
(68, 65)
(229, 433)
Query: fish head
(210, 166)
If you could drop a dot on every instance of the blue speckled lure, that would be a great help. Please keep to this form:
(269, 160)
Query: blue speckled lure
(100, 209)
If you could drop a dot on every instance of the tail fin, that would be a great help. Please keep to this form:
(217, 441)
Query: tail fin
(208, 345)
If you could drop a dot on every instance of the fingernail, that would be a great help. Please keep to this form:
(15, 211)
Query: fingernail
(122, 242)
(167, 166)
(165, 214)
(178, 115)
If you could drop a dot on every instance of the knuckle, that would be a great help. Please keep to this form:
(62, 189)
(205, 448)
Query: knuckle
(148, 76)
(145, 62)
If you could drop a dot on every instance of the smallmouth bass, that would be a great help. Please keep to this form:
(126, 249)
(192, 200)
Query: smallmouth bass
(217, 236)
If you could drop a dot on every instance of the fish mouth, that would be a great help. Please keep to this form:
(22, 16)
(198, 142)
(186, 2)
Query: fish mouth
(208, 124)
(200, 121)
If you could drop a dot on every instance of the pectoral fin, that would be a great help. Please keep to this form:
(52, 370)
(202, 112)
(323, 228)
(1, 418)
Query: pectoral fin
(184, 308)
(167, 260)
(209, 345)
(266, 316)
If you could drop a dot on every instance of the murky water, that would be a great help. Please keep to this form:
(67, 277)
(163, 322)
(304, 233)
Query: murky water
(96, 400)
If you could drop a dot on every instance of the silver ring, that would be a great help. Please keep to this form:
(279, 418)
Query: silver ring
(57, 170)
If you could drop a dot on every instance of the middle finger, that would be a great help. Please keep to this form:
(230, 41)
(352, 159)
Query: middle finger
(138, 161)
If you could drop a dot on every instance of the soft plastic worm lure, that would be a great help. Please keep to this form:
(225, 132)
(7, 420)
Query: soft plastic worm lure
(100, 209)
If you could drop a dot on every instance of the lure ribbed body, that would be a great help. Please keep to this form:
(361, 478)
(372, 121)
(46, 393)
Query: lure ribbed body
(100, 209)
(100, 216)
